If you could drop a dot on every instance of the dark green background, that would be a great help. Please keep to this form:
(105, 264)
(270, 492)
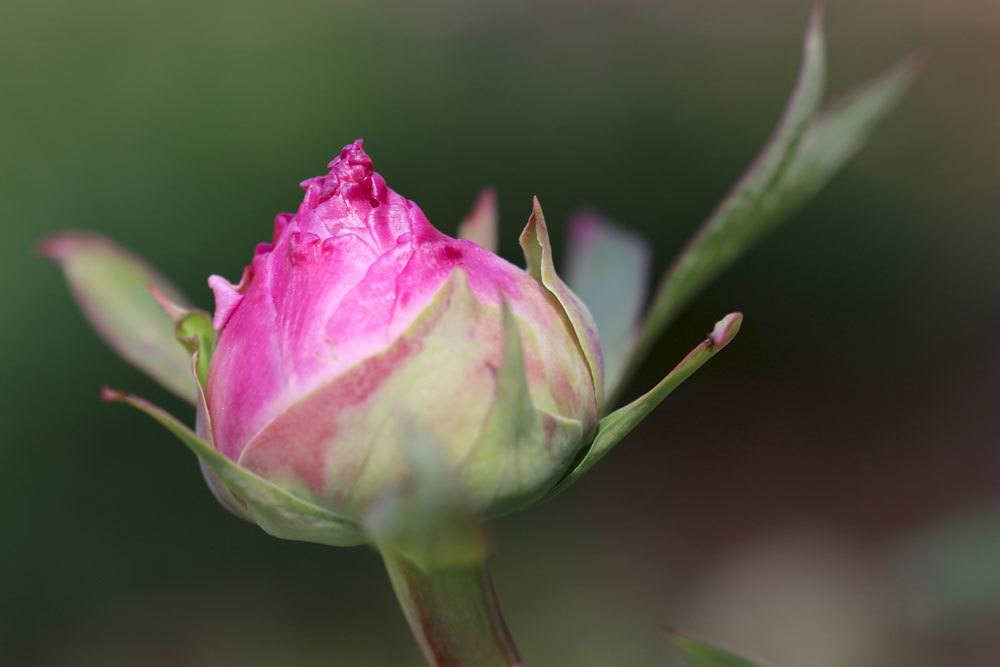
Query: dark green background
(768, 505)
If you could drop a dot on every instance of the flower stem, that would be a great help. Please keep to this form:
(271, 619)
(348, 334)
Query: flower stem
(453, 613)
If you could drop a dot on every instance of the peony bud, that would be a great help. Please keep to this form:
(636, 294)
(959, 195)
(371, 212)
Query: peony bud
(360, 324)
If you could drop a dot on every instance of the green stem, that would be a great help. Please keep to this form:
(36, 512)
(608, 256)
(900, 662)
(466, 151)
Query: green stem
(453, 613)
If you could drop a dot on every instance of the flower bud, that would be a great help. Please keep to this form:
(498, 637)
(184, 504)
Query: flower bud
(360, 324)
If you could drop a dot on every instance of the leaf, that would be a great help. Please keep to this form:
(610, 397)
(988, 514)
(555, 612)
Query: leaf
(541, 266)
(804, 154)
(699, 654)
(737, 220)
(480, 225)
(608, 268)
(612, 429)
(271, 507)
(111, 286)
(427, 518)
(836, 136)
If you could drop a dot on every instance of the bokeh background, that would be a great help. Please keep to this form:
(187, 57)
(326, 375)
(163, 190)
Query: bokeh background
(826, 492)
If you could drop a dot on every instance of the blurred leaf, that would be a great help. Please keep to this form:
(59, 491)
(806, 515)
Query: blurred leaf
(612, 429)
(274, 509)
(699, 654)
(112, 288)
(608, 268)
(427, 519)
(836, 136)
(948, 574)
(480, 225)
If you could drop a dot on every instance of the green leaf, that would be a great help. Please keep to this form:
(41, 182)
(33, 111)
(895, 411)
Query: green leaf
(271, 507)
(836, 136)
(112, 288)
(608, 268)
(427, 518)
(737, 220)
(480, 225)
(804, 153)
(612, 429)
(699, 654)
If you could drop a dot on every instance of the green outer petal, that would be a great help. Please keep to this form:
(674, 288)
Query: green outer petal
(480, 225)
(699, 654)
(112, 288)
(275, 510)
(608, 268)
(612, 429)
(741, 217)
(541, 266)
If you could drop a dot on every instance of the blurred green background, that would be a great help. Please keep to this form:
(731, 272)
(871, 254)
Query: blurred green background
(826, 492)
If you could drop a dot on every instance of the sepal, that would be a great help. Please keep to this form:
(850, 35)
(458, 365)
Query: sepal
(540, 264)
(480, 225)
(512, 457)
(613, 428)
(111, 286)
(608, 268)
(274, 509)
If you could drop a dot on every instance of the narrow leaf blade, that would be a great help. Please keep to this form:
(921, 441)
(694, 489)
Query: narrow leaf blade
(112, 288)
(739, 219)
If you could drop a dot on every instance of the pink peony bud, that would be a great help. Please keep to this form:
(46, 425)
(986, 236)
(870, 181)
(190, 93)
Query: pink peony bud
(361, 324)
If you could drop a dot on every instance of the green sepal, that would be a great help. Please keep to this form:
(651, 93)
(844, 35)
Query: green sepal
(608, 268)
(613, 428)
(700, 654)
(540, 264)
(510, 453)
(274, 509)
(194, 331)
(112, 287)
(427, 518)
